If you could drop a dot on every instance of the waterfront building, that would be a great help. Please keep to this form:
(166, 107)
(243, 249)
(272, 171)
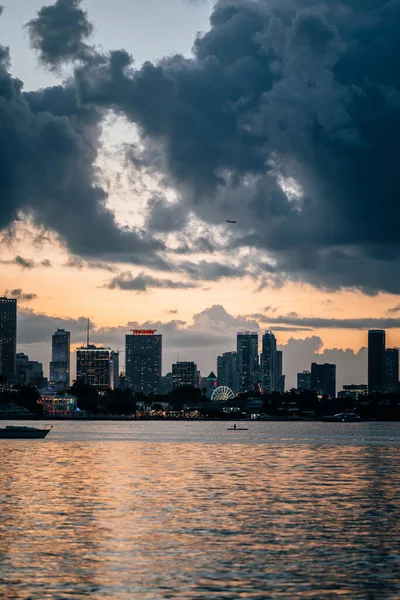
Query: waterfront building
(391, 370)
(28, 372)
(227, 370)
(376, 360)
(304, 381)
(247, 360)
(353, 391)
(8, 338)
(144, 361)
(60, 359)
(95, 367)
(184, 373)
(323, 379)
(54, 405)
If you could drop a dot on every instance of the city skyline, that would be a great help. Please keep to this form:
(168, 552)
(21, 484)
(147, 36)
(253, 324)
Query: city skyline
(187, 257)
(256, 362)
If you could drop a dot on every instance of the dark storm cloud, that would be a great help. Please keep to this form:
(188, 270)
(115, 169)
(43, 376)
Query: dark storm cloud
(59, 32)
(288, 118)
(210, 270)
(19, 294)
(143, 282)
(48, 149)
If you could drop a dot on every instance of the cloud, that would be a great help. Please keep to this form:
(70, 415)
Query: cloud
(394, 310)
(143, 282)
(20, 295)
(48, 154)
(287, 117)
(327, 323)
(78, 263)
(24, 263)
(211, 270)
(59, 32)
(298, 354)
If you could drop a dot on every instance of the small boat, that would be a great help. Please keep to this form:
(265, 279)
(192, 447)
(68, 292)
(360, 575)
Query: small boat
(237, 429)
(12, 432)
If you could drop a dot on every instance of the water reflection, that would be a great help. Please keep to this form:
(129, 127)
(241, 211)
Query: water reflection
(122, 520)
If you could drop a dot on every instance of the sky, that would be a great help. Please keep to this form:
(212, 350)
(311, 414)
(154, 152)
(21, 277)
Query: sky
(131, 131)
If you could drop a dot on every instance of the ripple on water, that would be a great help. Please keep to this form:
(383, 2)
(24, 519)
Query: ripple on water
(113, 512)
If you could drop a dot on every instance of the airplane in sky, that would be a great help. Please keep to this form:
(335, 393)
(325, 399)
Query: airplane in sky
(230, 221)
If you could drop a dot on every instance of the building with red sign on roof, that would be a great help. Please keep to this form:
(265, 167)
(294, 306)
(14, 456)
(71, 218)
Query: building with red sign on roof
(143, 349)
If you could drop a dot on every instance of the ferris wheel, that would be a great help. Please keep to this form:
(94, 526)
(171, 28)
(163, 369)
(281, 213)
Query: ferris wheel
(222, 393)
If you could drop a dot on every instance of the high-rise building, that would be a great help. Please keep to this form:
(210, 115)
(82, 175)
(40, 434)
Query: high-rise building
(29, 372)
(95, 367)
(280, 377)
(323, 379)
(268, 371)
(304, 381)
(114, 363)
(166, 384)
(227, 370)
(144, 361)
(247, 360)
(21, 367)
(392, 370)
(60, 359)
(8, 338)
(184, 373)
(376, 360)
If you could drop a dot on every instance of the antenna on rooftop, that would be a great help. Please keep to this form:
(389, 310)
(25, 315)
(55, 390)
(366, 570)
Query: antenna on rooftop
(88, 325)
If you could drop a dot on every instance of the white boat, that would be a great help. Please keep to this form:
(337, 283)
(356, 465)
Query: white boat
(12, 432)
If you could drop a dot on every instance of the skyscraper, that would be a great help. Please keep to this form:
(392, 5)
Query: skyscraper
(184, 373)
(304, 381)
(95, 367)
(323, 379)
(8, 338)
(392, 370)
(227, 370)
(280, 377)
(268, 371)
(247, 360)
(60, 359)
(143, 361)
(376, 360)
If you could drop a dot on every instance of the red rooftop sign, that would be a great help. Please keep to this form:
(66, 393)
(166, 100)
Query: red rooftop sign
(144, 331)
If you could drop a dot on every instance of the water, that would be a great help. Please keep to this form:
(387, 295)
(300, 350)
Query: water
(158, 510)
